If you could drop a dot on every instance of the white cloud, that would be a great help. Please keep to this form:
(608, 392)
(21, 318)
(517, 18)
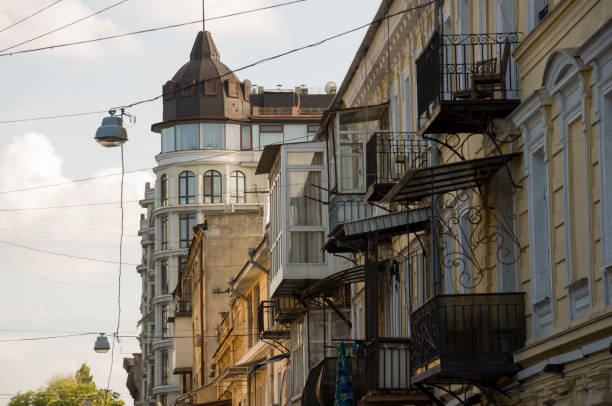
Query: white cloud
(31, 302)
(59, 15)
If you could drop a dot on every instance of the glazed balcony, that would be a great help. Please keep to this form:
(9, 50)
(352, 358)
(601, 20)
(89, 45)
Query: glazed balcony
(465, 81)
(467, 338)
(347, 208)
(389, 156)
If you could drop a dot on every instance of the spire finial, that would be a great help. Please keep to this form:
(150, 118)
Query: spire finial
(203, 15)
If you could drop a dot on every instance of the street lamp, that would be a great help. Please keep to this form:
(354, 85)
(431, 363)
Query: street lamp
(112, 133)
(101, 344)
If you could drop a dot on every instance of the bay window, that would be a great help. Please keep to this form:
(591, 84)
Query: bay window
(167, 139)
(187, 137)
(213, 136)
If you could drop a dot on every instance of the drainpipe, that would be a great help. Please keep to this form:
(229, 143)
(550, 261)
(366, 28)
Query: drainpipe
(255, 264)
(243, 297)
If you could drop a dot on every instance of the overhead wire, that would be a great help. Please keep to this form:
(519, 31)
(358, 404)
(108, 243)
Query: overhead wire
(31, 15)
(65, 25)
(165, 27)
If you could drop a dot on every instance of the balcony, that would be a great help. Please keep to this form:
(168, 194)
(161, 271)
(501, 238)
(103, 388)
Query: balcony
(267, 325)
(467, 338)
(465, 81)
(182, 308)
(347, 208)
(388, 157)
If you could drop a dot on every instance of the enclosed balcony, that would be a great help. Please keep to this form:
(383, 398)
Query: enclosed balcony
(465, 81)
(467, 338)
(389, 156)
(298, 215)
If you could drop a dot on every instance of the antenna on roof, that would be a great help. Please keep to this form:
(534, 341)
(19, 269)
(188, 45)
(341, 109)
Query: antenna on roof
(203, 16)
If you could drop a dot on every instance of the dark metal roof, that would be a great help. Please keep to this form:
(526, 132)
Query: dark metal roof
(352, 275)
(268, 156)
(204, 63)
(439, 179)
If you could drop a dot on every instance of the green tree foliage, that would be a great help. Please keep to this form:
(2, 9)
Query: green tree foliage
(68, 391)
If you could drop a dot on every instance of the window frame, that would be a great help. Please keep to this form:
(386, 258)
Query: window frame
(213, 173)
(235, 82)
(163, 278)
(217, 87)
(188, 87)
(185, 220)
(250, 127)
(164, 232)
(184, 195)
(234, 187)
(164, 190)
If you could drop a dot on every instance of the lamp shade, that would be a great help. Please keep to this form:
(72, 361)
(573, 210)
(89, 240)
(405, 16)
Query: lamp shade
(101, 344)
(111, 133)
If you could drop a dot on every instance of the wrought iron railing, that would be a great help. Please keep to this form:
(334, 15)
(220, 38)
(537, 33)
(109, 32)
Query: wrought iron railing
(320, 386)
(467, 329)
(267, 325)
(390, 155)
(387, 364)
(182, 306)
(466, 67)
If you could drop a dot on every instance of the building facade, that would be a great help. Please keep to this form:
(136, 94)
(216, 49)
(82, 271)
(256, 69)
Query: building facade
(213, 130)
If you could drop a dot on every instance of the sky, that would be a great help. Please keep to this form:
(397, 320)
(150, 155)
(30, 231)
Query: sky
(42, 294)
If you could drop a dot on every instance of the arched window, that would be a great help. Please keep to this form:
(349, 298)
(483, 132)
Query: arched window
(164, 190)
(212, 187)
(187, 188)
(237, 187)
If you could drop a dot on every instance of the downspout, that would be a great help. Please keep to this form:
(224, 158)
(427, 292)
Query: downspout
(246, 299)
(201, 289)
(256, 264)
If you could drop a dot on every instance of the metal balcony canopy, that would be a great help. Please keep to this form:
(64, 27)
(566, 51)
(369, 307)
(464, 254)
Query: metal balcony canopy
(434, 180)
(352, 275)
(268, 156)
(349, 237)
(362, 114)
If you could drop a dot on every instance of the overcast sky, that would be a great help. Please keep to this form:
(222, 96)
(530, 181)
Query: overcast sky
(42, 294)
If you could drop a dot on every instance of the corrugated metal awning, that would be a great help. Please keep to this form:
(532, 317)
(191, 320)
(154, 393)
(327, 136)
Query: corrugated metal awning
(435, 180)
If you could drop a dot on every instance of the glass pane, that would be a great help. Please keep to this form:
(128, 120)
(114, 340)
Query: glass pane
(295, 133)
(271, 129)
(304, 158)
(255, 130)
(245, 139)
(167, 139)
(270, 138)
(306, 247)
(187, 137)
(304, 198)
(213, 136)
(217, 188)
(351, 167)
(191, 189)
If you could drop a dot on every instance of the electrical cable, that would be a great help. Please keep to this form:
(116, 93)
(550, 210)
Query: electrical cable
(64, 255)
(64, 26)
(165, 27)
(314, 44)
(31, 15)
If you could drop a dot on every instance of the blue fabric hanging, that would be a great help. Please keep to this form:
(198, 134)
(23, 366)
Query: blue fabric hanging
(344, 379)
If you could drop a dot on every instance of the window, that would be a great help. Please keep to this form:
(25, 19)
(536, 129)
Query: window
(270, 134)
(165, 369)
(233, 88)
(187, 188)
(237, 187)
(181, 262)
(164, 321)
(305, 211)
(187, 137)
(164, 190)
(351, 163)
(246, 140)
(164, 232)
(213, 136)
(167, 139)
(247, 90)
(536, 12)
(168, 90)
(212, 187)
(164, 277)
(295, 133)
(297, 356)
(211, 87)
(188, 87)
(186, 222)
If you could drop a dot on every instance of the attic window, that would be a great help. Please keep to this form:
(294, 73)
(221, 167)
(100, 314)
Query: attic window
(188, 87)
(233, 88)
(168, 90)
(211, 87)
(247, 90)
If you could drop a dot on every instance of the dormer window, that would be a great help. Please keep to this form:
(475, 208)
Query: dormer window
(188, 87)
(168, 90)
(233, 88)
(211, 87)
(247, 90)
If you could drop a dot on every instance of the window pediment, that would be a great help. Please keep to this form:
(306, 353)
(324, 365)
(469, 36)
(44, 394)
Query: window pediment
(562, 69)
